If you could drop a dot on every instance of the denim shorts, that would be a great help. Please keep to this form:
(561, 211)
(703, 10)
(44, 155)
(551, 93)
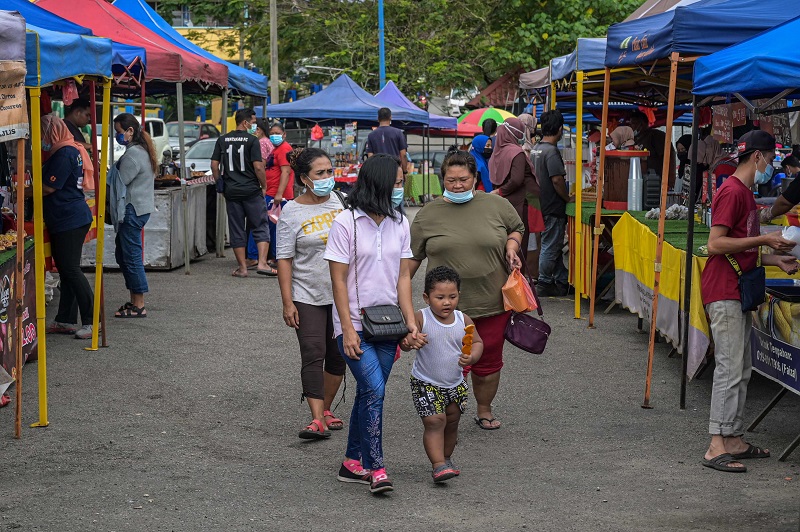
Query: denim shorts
(431, 400)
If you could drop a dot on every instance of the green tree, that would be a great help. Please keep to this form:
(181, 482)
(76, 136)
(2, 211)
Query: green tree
(431, 45)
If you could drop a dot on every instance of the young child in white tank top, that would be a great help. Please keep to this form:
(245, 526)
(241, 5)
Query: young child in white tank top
(437, 380)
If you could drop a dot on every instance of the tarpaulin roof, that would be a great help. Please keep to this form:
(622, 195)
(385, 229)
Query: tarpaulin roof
(51, 56)
(391, 95)
(700, 28)
(764, 65)
(590, 54)
(343, 100)
(536, 79)
(122, 56)
(239, 79)
(541, 77)
(165, 61)
(12, 28)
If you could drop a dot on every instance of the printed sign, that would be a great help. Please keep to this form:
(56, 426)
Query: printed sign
(722, 128)
(30, 340)
(774, 326)
(13, 110)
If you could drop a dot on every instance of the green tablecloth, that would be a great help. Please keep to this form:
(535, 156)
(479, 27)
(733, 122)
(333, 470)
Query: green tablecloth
(675, 231)
(11, 254)
(587, 212)
(418, 185)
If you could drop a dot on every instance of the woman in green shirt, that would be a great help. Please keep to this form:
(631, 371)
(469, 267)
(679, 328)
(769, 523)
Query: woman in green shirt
(479, 236)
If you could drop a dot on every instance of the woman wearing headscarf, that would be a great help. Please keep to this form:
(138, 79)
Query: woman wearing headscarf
(621, 138)
(68, 220)
(535, 218)
(481, 151)
(511, 171)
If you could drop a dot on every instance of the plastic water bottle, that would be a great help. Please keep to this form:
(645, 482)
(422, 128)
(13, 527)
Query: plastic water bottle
(635, 185)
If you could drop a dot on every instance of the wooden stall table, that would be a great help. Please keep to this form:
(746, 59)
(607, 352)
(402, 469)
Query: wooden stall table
(580, 276)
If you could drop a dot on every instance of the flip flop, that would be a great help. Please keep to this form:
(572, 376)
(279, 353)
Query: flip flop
(334, 423)
(237, 273)
(252, 264)
(720, 463)
(269, 273)
(314, 432)
(480, 420)
(751, 452)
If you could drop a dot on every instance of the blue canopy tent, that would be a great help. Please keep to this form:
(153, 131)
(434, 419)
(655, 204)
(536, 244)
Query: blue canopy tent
(659, 51)
(391, 95)
(588, 55)
(343, 101)
(240, 80)
(760, 67)
(123, 57)
(52, 56)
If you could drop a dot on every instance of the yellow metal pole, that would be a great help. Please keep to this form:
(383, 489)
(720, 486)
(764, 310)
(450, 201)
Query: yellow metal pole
(577, 275)
(100, 202)
(38, 237)
(552, 95)
(598, 228)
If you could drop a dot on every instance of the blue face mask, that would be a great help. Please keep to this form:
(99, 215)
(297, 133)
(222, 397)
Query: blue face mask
(121, 139)
(762, 178)
(276, 140)
(459, 197)
(46, 147)
(252, 129)
(323, 187)
(397, 196)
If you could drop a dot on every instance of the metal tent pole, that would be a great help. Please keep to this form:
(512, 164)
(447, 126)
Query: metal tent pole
(598, 228)
(219, 239)
(673, 79)
(687, 293)
(577, 274)
(184, 175)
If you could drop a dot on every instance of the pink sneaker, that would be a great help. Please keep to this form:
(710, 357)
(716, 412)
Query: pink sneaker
(351, 471)
(380, 482)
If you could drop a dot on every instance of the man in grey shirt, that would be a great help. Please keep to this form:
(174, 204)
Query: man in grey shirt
(550, 171)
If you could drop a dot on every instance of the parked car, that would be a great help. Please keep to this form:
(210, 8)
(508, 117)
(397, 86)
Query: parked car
(435, 156)
(155, 127)
(192, 132)
(198, 157)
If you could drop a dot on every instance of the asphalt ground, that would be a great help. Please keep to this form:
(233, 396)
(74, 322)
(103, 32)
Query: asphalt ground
(188, 421)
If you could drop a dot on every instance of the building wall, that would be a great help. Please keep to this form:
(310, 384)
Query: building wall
(209, 40)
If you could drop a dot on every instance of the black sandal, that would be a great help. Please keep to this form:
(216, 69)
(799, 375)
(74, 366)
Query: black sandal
(124, 307)
(721, 463)
(131, 312)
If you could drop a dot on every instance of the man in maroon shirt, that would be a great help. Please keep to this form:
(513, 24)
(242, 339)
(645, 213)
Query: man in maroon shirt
(735, 232)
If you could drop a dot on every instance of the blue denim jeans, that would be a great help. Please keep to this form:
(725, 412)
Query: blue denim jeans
(551, 257)
(252, 248)
(365, 439)
(130, 248)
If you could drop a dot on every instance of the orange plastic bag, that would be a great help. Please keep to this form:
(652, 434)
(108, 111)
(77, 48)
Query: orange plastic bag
(517, 293)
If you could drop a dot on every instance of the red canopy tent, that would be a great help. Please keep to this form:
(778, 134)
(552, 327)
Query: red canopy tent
(167, 64)
(165, 61)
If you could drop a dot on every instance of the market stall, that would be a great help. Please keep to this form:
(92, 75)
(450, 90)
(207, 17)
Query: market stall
(760, 73)
(643, 55)
(170, 69)
(342, 107)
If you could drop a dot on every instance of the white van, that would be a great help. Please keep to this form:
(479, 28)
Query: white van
(155, 127)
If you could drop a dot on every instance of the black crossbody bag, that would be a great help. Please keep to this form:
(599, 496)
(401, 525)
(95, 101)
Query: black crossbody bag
(752, 284)
(379, 323)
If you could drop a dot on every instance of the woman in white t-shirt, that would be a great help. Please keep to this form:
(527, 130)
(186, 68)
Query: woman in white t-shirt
(306, 285)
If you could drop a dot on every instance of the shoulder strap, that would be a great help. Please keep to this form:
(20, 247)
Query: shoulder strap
(341, 200)
(735, 263)
(355, 256)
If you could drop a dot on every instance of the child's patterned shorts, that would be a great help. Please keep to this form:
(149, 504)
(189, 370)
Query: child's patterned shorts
(431, 400)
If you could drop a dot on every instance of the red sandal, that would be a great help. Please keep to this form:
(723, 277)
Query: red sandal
(314, 431)
(334, 423)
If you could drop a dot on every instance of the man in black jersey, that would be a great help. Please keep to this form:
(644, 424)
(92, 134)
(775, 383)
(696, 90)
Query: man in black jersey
(237, 161)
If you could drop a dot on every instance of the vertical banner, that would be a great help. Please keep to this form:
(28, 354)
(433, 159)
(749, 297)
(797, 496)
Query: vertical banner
(722, 128)
(13, 110)
(8, 311)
